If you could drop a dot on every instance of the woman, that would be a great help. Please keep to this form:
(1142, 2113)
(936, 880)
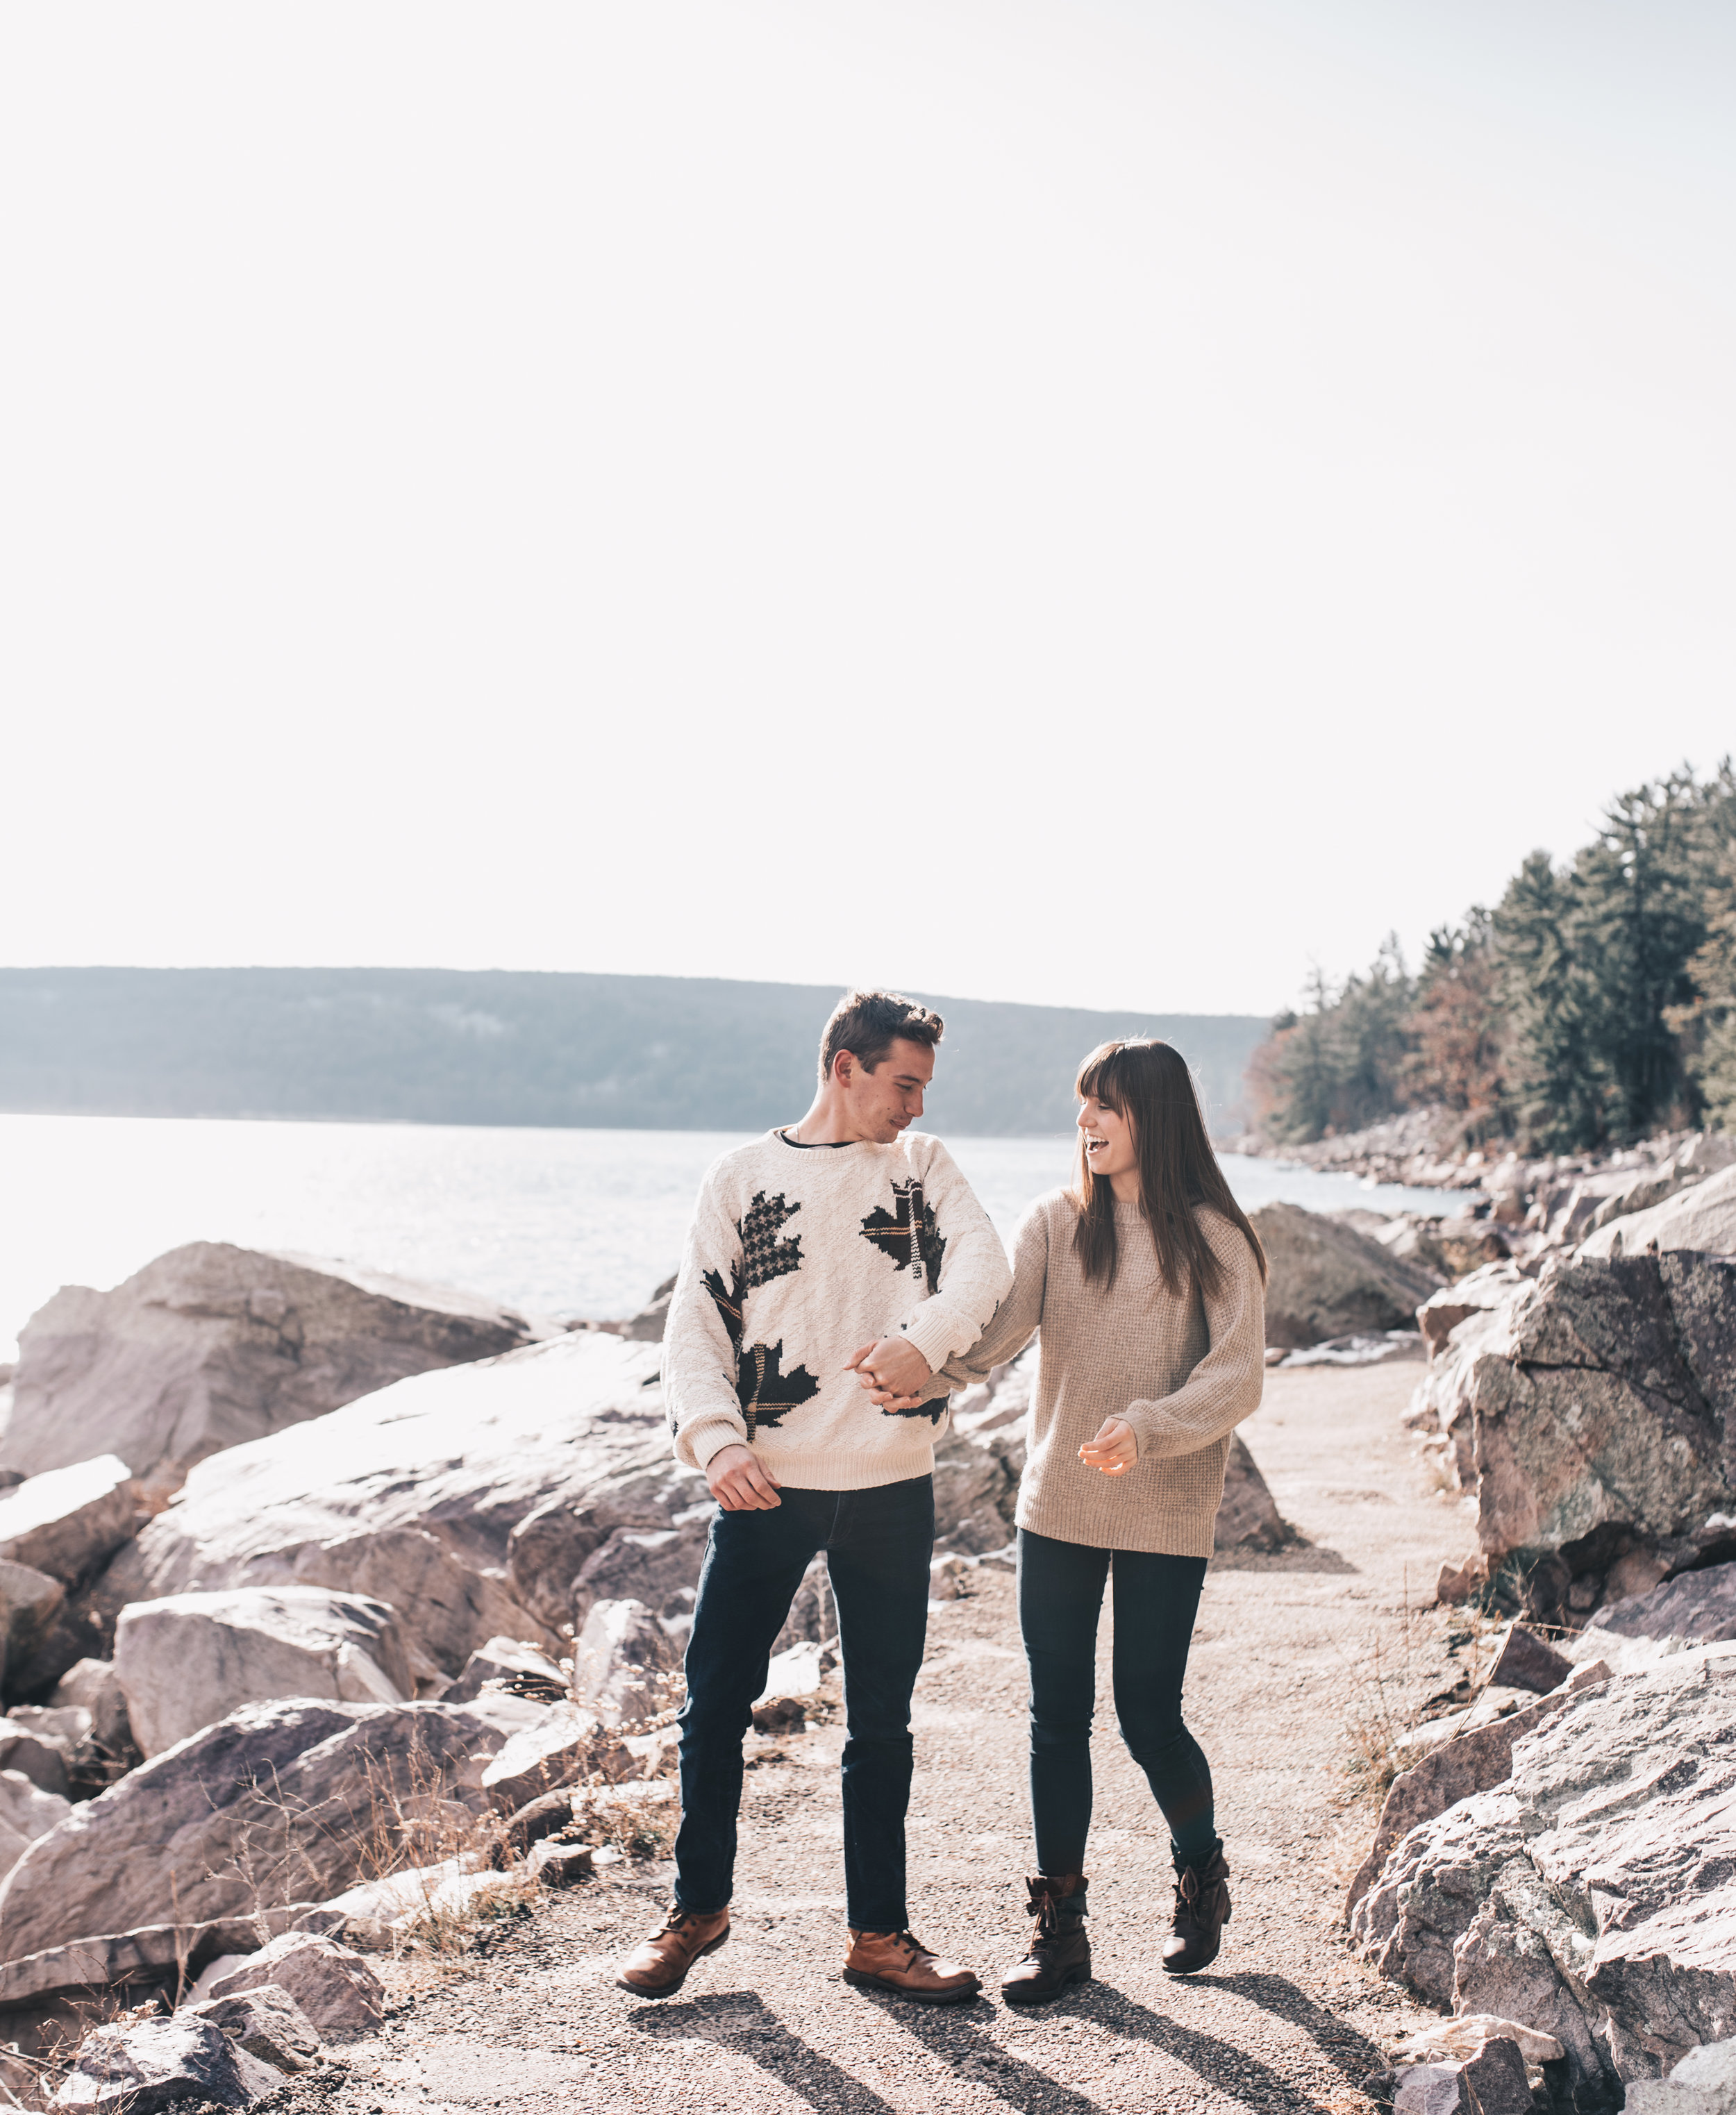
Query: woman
(1147, 1285)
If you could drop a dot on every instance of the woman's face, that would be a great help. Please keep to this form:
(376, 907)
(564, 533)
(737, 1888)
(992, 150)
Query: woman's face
(1108, 1138)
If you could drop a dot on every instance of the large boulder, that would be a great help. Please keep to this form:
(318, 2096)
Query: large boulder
(189, 1659)
(621, 1661)
(1593, 1895)
(213, 1344)
(279, 1803)
(137, 2068)
(330, 1983)
(69, 1521)
(26, 1812)
(30, 1604)
(412, 1496)
(1703, 1217)
(1601, 1408)
(1248, 1517)
(1699, 1608)
(1329, 1280)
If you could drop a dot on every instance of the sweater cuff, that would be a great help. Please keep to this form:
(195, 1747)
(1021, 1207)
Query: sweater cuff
(931, 1334)
(709, 1436)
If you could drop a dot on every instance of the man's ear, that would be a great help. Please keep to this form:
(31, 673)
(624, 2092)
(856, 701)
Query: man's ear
(843, 1067)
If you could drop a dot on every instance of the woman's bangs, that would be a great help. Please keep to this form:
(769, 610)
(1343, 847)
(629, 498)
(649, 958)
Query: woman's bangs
(1096, 1081)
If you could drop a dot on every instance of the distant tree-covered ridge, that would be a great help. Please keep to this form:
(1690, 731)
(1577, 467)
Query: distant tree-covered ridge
(508, 1047)
(1594, 1005)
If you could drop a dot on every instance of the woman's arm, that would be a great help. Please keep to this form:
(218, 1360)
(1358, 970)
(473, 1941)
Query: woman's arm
(1225, 1386)
(1015, 1322)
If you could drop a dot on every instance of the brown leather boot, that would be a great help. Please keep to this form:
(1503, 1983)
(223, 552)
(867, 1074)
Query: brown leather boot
(1060, 1954)
(1201, 1911)
(898, 1960)
(657, 1968)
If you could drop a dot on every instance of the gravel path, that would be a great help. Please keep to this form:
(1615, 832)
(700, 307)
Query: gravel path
(1285, 2019)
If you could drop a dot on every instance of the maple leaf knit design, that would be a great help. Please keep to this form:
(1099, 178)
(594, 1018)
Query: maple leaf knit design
(909, 1236)
(763, 1324)
(766, 1390)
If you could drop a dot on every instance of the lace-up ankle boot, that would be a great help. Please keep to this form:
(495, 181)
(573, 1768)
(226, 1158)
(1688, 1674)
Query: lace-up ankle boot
(1059, 1953)
(1201, 1911)
(898, 1960)
(659, 1967)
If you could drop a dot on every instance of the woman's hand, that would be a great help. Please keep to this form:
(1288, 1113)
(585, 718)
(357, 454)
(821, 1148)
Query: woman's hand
(1113, 1448)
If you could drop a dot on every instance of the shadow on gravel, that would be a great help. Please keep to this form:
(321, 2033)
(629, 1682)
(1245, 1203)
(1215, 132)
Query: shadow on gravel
(1220, 2065)
(740, 2020)
(1300, 1555)
(1348, 2050)
(962, 2037)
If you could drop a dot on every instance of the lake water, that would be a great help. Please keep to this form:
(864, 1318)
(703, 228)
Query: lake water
(558, 1221)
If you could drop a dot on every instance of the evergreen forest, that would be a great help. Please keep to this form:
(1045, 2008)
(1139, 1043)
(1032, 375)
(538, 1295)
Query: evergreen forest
(1594, 1005)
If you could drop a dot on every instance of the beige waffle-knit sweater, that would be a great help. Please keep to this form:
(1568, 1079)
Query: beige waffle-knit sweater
(1183, 1372)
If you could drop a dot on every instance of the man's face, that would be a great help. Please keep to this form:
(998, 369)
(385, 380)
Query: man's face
(879, 1104)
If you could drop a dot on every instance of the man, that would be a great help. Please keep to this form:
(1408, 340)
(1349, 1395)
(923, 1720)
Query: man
(848, 1244)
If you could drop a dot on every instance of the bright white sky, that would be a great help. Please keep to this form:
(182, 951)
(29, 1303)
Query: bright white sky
(1040, 499)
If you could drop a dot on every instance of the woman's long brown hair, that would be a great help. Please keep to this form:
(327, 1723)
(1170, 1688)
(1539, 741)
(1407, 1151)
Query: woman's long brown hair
(1148, 1083)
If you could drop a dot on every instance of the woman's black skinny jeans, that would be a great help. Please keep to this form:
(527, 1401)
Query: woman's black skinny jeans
(1156, 1597)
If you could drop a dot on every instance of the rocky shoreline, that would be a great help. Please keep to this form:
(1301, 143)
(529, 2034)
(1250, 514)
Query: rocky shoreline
(339, 1612)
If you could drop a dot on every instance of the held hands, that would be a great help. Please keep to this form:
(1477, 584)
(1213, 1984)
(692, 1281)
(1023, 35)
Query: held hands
(739, 1482)
(1111, 1448)
(894, 1373)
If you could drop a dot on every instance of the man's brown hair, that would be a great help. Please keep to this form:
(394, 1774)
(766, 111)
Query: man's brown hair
(866, 1023)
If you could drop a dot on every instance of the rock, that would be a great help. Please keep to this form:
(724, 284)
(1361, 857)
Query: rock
(1699, 1608)
(976, 1477)
(69, 1520)
(29, 1600)
(221, 1825)
(1495, 2080)
(658, 1566)
(266, 2021)
(135, 2070)
(189, 1659)
(1456, 1583)
(1430, 2089)
(569, 1743)
(561, 1865)
(783, 1714)
(1327, 1280)
(1703, 1217)
(1703, 2083)
(1526, 1661)
(1459, 1326)
(548, 1547)
(508, 1660)
(1600, 1419)
(647, 1325)
(1456, 2040)
(26, 1812)
(91, 1684)
(212, 1345)
(1469, 1763)
(621, 1661)
(537, 1818)
(1248, 1517)
(156, 1958)
(814, 1614)
(335, 1988)
(41, 1757)
(412, 1495)
(463, 1896)
(1594, 1896)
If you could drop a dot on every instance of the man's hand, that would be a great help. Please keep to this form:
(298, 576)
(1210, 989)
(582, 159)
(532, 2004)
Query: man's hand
(893, 1371)
(1111, 1448)
(739, 1482)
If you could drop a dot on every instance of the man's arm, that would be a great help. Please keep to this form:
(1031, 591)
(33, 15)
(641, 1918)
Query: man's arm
(975, 1278)
(1011, 1328)
(699, 1342)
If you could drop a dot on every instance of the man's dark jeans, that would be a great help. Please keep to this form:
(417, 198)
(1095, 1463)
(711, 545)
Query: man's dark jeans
(878, 1544)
